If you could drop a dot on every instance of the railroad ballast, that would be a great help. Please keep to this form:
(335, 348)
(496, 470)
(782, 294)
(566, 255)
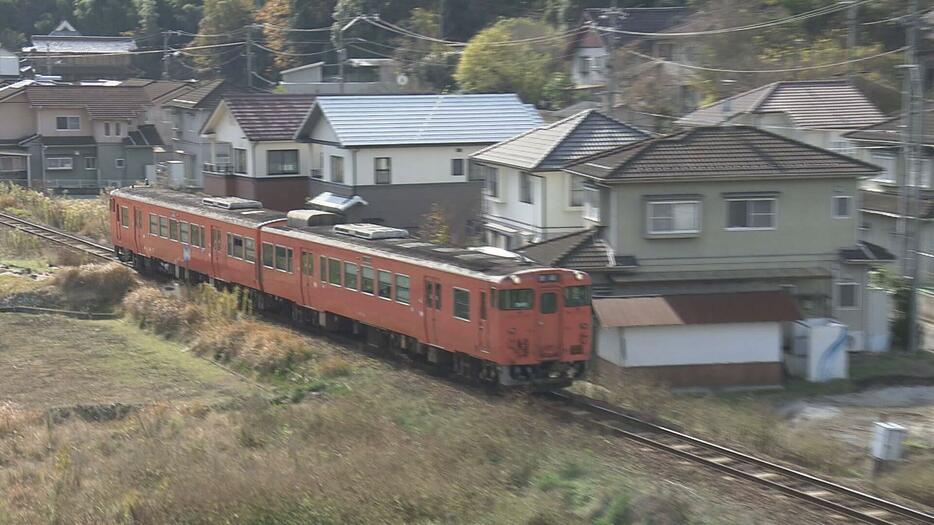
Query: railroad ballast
(492, 318)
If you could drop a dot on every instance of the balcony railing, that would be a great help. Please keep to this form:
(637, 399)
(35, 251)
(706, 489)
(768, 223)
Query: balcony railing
(316, 173)
(218, 168)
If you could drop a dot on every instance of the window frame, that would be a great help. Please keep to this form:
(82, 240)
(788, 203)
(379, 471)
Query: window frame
(888, 174)
(351, 278)
(650, 217)
(380, 283)
(61, 167)
(590, 211)
(154, 224)
(269, 162)
(525, 188)
(385, 172)
(572, 191)
(184, 232)
(249, 250)
(455, 304)
(163, 227)
(749, 214)
(119, 164)
(307, 264)
(457, 165)
(68, 121)
(173, 229)
(335, 278)
(125, 216)
(337, 175)
(407, 288)
(491, 182)
(849, 206)
(288, 255)
(364, 270)
(504, 295)
(240, 164)
(93, 160)
(838, 296)
(270, 248)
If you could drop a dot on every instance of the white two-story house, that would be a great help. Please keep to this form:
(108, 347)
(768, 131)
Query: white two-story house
(527, 196)
(253, 153)
(393, 159)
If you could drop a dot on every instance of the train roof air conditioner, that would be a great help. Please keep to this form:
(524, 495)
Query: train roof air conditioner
(370, 231)
(231, 203)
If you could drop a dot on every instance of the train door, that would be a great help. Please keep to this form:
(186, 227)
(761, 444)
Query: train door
(548, 324)
(484, 334)
(432, 309)
(217, 255)
(308, 277)
(137, 228)
(116, 210)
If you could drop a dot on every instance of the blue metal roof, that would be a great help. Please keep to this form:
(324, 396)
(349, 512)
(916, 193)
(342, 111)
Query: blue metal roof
(377, 120)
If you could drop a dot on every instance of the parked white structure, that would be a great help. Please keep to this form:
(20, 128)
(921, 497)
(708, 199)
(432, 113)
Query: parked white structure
(9, 64)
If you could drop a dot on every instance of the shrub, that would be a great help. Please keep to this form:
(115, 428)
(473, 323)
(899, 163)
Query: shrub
(166, 316)
(220, 304)
(334, 367)
(265, 348)
(95, 284)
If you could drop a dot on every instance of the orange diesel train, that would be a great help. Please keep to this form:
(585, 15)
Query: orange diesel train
(489, 317)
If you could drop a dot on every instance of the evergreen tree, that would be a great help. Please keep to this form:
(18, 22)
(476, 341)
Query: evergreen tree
(223, 22)
(276, 15)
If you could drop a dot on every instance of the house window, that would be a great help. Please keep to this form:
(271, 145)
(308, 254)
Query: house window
(67, 123)
(58, 163)
(124, 216)
(491, 178)
(751, 214)
(282, 162)
(366, 279)
(674, 217)
(269, 255)
(12, 163)
(384, 280)
(576, 191)
(119, 163)
(382, 169)
(337, 169)
(106, 129)
(184, 233)
(118, 129)
(461, 304)
(886, 161)
(842, 206)
(163, 227)
(402, 289)
(239, 160)
(153, 224)
(350, 276)
(173, 229)
(90, 163)
(283, 259)
(457, 167)
(475, 171)
(334, 272)
(592, 204)
(525, 187)
(847, 295)
(584, 65)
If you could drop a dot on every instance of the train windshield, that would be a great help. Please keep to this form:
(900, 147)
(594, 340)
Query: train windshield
(577, 296)
(516, 299)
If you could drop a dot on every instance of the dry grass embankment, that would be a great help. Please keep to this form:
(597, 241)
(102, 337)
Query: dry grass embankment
(88, 217)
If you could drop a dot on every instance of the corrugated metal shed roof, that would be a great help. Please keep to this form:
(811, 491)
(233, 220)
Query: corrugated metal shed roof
(64, 44)
(553, 146)
(674, 310)
(810, 104)
(377, 120)
(711, 152)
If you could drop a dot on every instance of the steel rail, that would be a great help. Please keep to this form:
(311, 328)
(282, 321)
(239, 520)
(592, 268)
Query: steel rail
(57, 236)
(827, 494)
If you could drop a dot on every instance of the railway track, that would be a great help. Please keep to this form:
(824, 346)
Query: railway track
(58, 237)
(844, 503)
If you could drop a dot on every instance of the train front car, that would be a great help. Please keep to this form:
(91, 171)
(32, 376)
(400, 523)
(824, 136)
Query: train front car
(542, 320)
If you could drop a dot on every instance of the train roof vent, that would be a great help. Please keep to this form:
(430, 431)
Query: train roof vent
(231, 203)
(299, 218)
(370, 231)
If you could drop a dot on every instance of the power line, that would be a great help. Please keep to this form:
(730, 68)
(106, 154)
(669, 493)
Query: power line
(296, 30)
(288, 54)
(779, 70)
(39, 54)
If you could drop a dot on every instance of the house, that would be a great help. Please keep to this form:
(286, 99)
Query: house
(66, 53)
(528, 198)
(816, 112)
(253, 152)
(362, 76)
(76, 137)
(9, 65)
(392, 159)
(713, 211)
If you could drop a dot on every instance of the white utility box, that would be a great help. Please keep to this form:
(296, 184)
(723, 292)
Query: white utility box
(887, 441)
(819, 350)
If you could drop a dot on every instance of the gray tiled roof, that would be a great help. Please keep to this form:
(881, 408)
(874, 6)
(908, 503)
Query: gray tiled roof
(101, 102)
(714, 152)
(65, 44)
(890, 130)
(810, 104)
(198, 95)
(582, 250)
(553, 146)
(269, 116)
(866, 252)
(888, 203)
(377, 120)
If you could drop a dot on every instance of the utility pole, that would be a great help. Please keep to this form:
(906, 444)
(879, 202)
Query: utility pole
(165, 54)
(851, 35)
(609, 67)
(341, 52)
(249, 55)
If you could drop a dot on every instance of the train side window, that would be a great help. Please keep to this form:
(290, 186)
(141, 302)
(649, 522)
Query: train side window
(163, 227)
(173, 229)
(402, 289)
(184, 233)
(269, 255)
(350, 276)
(429, 294)
(521, 299)
(153, 224)
(334, 272)
(366, 279)
(385, 284)
(323, 264)
(249, 249)
(216, 239)
(548, 304)
(125, 216)
(197, 236)
(283, 255)
(483, 306)
(235, 246)
(437, 296)
(288, 259)
(461, 304)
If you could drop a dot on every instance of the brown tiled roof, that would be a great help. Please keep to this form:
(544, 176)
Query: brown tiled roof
(582, 250)
(101, 102)
(202, 94)
(269, 116)
(888, 203)
(890, 131)
(716, 152)
(672, 310)
(810, 104)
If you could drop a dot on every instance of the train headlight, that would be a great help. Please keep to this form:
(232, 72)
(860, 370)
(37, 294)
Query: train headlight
(579, 276)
